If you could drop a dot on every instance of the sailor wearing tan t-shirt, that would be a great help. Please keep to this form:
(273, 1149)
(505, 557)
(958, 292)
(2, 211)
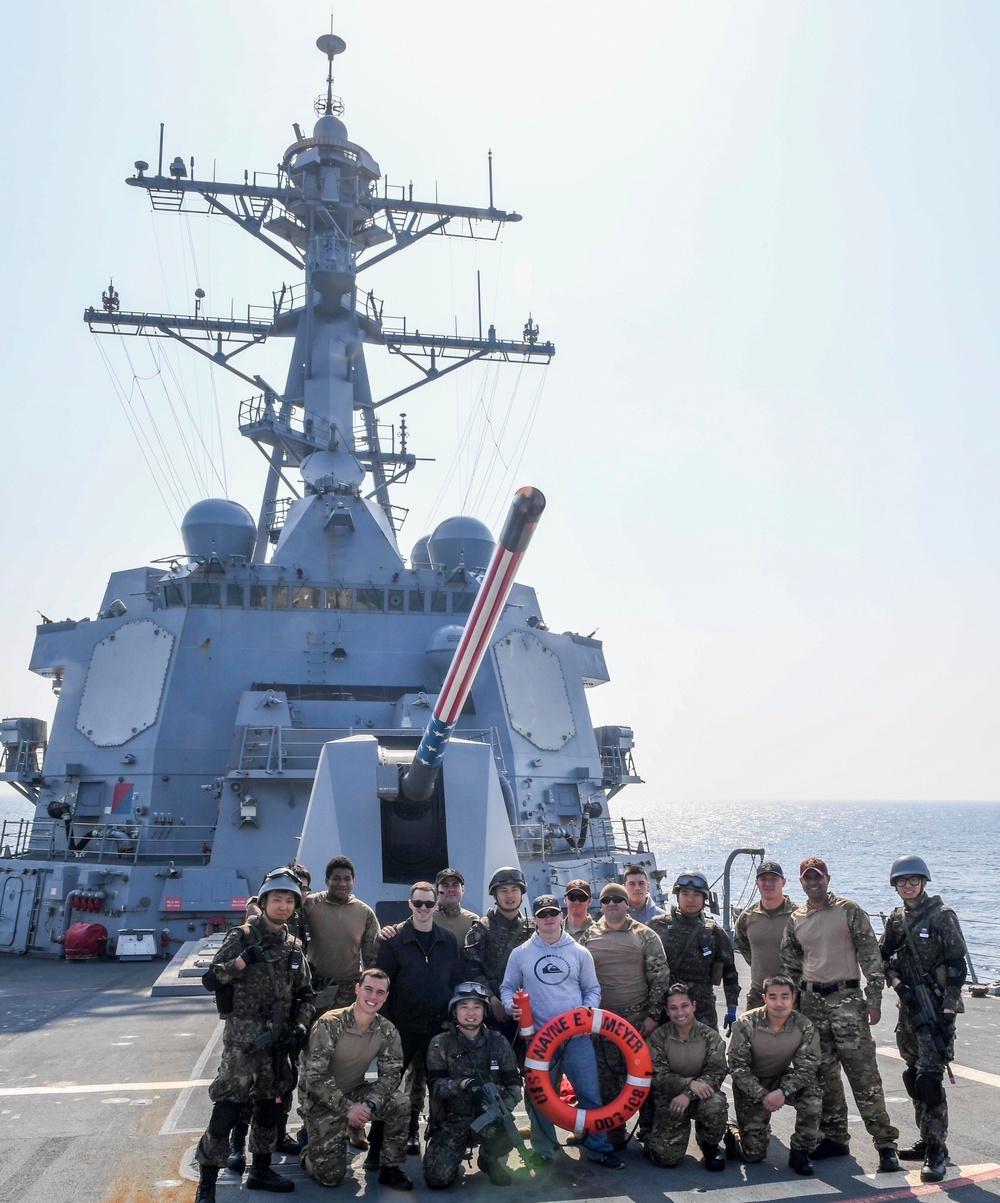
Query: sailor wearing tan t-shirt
(343, 932)
(689, 1067)
(334, 1091)
(633, 972)
(774, 1059)
(758, 930)
(828, 944)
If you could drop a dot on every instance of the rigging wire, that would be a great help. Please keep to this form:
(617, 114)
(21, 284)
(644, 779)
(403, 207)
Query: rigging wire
(137, 432)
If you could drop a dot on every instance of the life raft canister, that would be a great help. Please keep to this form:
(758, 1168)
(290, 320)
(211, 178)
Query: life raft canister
(587, 1021)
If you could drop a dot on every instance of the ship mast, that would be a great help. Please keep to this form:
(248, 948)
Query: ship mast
(324, 214)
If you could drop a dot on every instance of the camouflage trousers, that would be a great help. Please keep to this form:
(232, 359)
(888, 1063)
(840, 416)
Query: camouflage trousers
(668, 1140)
(245, 1076)
(922, 1059)
(325, 1156)
(611, 1071)
(445, 1151)
(846, 1041)
(754, 1120)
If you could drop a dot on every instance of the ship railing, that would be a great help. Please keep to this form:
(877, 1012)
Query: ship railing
(295, 751)
(605, 837)
(122, 843)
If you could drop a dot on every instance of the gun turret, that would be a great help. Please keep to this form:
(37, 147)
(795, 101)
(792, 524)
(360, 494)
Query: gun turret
(417, 784)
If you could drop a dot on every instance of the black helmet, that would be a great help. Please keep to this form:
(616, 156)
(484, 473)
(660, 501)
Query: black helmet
(280, 879)
(908, 865)
(694, 880)
(509, 875)
(469, 992)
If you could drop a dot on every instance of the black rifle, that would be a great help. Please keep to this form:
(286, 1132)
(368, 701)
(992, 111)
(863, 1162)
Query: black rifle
(919, 1000)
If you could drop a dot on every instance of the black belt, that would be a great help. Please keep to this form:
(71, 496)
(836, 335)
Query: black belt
(830, 987)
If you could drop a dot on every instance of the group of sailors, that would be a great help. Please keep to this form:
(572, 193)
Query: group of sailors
(315, 991)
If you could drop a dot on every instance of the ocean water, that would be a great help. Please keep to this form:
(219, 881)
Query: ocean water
(960, 841)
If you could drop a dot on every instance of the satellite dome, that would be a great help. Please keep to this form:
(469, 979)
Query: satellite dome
(441, 648)
(218, 527)
(460, 540)
(330, 128)
(418, 556)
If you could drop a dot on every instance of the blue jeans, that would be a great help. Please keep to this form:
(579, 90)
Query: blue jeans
(577, 1061)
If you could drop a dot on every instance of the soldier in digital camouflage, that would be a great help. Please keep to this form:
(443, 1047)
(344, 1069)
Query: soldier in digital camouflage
(828, 944)
(774, 1057)
(698, 950)
(923, 947)
(459, 1062)
(335, 1093)
(262, 973)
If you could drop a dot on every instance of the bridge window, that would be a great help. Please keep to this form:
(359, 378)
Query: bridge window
(305, 597)
(337, 599)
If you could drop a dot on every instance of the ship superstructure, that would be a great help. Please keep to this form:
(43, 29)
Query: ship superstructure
(255, 698)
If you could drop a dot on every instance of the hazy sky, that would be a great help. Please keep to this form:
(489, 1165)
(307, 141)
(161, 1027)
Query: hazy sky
(764, 239)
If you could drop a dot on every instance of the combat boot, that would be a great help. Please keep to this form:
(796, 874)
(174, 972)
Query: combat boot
(262, 1177)
(798, 1161)
(413, 1137)
(237, 1159)
(934, 1163)
(914, 1152)
(888, 1162)
(830, 1148)
(206, 1184)
(714, 1157)
(492, 1168)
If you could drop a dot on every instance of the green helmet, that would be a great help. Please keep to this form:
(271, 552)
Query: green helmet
(908, 865)
(508, 876)
(692, 879)
(280, 879)
(469, 992)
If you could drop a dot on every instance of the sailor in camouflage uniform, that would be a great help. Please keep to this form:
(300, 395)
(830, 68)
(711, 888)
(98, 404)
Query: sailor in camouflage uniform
(930, 932)
(758, 929)
(335, 1093)
(459, 1061)
(774, 1057)
(698, 950)
(828, 943)
(689, 1067)
(633, 973)
(494, 937)
(271, 1007)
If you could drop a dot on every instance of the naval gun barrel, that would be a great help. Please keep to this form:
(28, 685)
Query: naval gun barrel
(526, 508)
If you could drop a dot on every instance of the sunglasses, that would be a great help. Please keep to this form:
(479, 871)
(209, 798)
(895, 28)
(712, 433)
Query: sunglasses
(419, 902)
(578, 897)
(613, 901)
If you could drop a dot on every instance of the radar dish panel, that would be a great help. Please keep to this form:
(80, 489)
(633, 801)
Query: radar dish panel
(124, 685)
(534, 690)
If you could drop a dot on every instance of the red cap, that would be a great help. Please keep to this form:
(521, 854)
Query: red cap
(814, 862)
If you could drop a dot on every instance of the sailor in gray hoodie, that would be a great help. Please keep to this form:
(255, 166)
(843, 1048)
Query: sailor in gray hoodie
(558, 975)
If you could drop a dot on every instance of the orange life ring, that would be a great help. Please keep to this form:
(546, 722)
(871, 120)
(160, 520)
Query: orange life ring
(587, 1021)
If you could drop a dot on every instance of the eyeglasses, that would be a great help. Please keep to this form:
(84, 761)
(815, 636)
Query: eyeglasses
(613, 901)
(913, 880)
(419, 902)
(577, 897)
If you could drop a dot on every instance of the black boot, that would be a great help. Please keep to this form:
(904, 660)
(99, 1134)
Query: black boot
(714, 1157)
(262, 1177)
(206, 1184)
(287, 1145)
(798, 1160)
(888, 1162)
(915, 1152)
(413, 1139)
(376, 1135)
(830, 1148)
(237, 1160)
(934, 1163)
